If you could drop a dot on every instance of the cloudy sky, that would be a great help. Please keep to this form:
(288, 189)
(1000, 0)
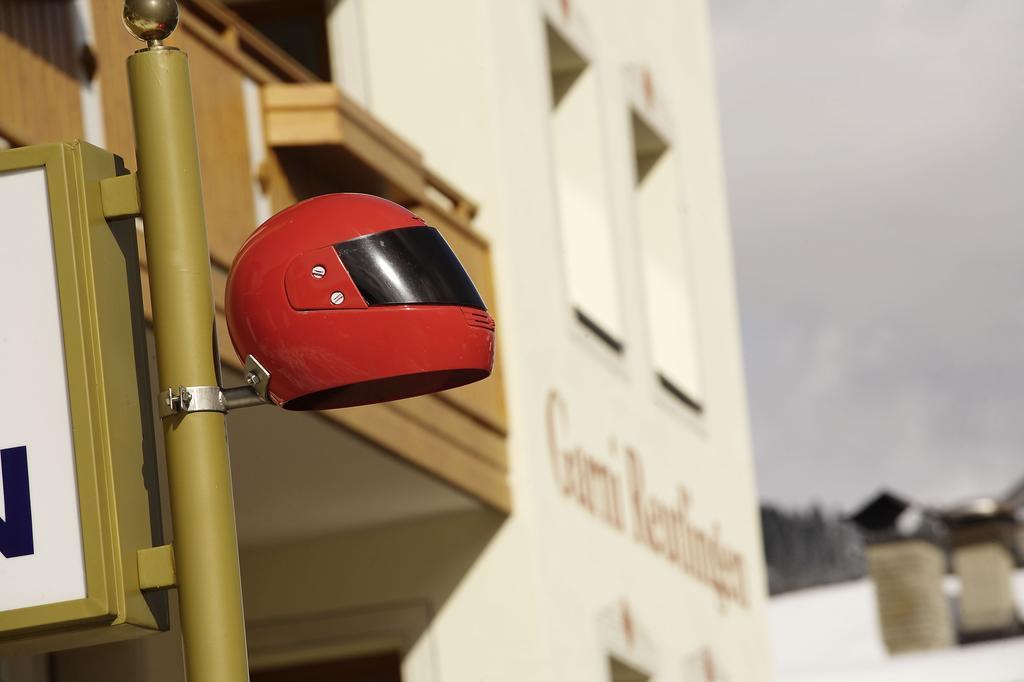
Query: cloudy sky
(875, 160)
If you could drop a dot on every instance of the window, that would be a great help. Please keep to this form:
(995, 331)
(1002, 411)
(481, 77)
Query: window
(580, 175)
(667, 276)
(299, 27)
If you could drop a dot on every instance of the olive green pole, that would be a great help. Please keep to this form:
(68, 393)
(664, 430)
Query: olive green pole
(198, 472)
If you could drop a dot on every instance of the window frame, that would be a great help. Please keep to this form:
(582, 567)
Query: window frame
(651, 146)
(610, 334)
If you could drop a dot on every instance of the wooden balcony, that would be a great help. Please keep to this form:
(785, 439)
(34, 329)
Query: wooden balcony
(316, 117)
(317, 141)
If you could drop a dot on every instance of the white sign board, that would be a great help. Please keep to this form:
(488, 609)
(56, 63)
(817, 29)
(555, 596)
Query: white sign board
(42, 559)
(78, 486)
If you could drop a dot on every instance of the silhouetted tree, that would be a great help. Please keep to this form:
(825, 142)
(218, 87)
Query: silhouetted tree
(804, 548)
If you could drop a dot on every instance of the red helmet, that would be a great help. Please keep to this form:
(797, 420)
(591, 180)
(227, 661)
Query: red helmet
(349, 299)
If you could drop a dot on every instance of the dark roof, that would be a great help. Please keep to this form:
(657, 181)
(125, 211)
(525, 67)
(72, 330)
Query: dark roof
(881, 512)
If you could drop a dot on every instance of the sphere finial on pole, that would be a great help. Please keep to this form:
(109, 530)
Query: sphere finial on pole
(151, 20)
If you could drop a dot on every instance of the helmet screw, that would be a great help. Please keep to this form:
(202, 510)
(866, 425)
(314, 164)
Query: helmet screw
(318, 271)
(337, 298)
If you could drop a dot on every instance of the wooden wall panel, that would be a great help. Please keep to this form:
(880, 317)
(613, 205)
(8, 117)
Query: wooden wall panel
(223, 148)
(113, 45)
(220, 122)
(40, 92)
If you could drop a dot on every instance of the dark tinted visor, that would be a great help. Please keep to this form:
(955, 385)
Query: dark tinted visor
(410, 265)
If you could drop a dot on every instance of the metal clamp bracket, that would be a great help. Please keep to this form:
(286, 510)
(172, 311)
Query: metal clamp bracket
(186, 399)
(192, 399)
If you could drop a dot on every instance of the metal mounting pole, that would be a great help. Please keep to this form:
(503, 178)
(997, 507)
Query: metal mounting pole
(199, 476)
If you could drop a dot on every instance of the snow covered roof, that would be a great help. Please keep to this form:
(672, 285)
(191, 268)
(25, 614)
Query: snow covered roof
(831, 634)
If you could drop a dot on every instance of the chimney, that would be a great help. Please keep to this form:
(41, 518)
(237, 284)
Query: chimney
(983, 534)
(906, 563)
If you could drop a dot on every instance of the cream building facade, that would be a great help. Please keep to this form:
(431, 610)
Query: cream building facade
(590, 512)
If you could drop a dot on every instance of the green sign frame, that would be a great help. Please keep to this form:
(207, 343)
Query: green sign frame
(111, 407)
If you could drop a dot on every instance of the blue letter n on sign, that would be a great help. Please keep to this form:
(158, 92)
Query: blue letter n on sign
(16, 525)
